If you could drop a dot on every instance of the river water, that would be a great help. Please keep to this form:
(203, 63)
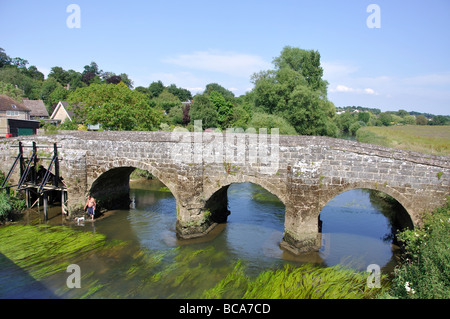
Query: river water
(155, 264)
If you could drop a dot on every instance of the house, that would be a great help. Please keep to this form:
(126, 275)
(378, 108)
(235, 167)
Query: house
(9, 108)
(38, 111)
(14, 118)
(61, 113)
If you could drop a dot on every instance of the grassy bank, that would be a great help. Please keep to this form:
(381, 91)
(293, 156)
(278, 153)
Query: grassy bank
(425, 139)
(425, 270)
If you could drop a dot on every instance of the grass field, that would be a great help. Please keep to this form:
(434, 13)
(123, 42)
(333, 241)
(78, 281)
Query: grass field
(425, 139)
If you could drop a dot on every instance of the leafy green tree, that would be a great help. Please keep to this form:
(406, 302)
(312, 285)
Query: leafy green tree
(227, 94)
(4, 58)
(385, 118)
(203, 109)
(156, 88)
(115, 107)
(364, 117)
(34, 73)
(10, 90)
(306, 63)
(269, 121)
(421, 120)
(295, 91)
(58, 94)
(344, 121)
(19, 63)
(91, 74)
(182, 94)
(240, 117)
(224, 109)
(167, 100)
(409, 120)
(60, 75)
(439, 120)
(402, 113)
(31, 87)
(175, 115)
(47, 89)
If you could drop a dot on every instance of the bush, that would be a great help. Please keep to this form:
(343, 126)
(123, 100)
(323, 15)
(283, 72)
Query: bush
(269, 121)
(5, 206)
(425, 271)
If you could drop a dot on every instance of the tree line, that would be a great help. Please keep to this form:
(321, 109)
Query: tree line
(292, 96)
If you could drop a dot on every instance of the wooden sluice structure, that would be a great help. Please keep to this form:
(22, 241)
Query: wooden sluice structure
(34, 180)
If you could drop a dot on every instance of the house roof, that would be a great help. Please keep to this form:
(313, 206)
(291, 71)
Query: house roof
(63, 105)
(9, 104)
(36, 107)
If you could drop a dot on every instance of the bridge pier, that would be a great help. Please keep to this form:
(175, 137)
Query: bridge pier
(301, 230)
(199, 218)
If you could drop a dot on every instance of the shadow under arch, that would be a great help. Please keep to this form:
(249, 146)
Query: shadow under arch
(217, 203)
(111, 188)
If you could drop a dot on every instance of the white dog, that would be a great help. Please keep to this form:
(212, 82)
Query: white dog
(79, 219)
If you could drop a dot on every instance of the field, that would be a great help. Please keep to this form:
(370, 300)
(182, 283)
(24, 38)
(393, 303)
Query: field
(425, 139)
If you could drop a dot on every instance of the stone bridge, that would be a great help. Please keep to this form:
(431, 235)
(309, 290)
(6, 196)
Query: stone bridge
(304, 172)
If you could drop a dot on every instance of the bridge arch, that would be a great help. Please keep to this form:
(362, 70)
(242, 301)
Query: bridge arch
(395, 194)
(109, 183)
(213, 187)
(216, 195)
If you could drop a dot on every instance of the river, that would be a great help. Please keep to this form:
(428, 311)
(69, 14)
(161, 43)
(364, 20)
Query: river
(155, 264)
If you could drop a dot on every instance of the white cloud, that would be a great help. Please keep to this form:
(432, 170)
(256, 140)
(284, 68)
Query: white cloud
(346, 89)
(231, 63)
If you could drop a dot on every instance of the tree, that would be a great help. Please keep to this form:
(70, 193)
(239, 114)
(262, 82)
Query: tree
(224, 109)
(156, 88)
(115, 107)
(91, 74)
(439, 120)
(4, 58)
(60, 75)
(307, 63)
(227, 94)
(203, 109)
(296, 91)
(47, 88)
(10, 90)
(182, 94)
(167, 100)
(269, 121)
(421, 120)
(385, 118)
(31, 87)
(364, 117)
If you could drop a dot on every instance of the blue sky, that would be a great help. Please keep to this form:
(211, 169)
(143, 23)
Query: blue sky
(404, 64)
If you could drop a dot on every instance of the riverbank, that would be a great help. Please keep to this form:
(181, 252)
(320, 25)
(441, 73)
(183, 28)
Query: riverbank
(418, 138)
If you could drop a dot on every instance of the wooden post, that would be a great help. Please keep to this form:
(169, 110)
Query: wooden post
(63, 202)
(27, 197)
(45, 206)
